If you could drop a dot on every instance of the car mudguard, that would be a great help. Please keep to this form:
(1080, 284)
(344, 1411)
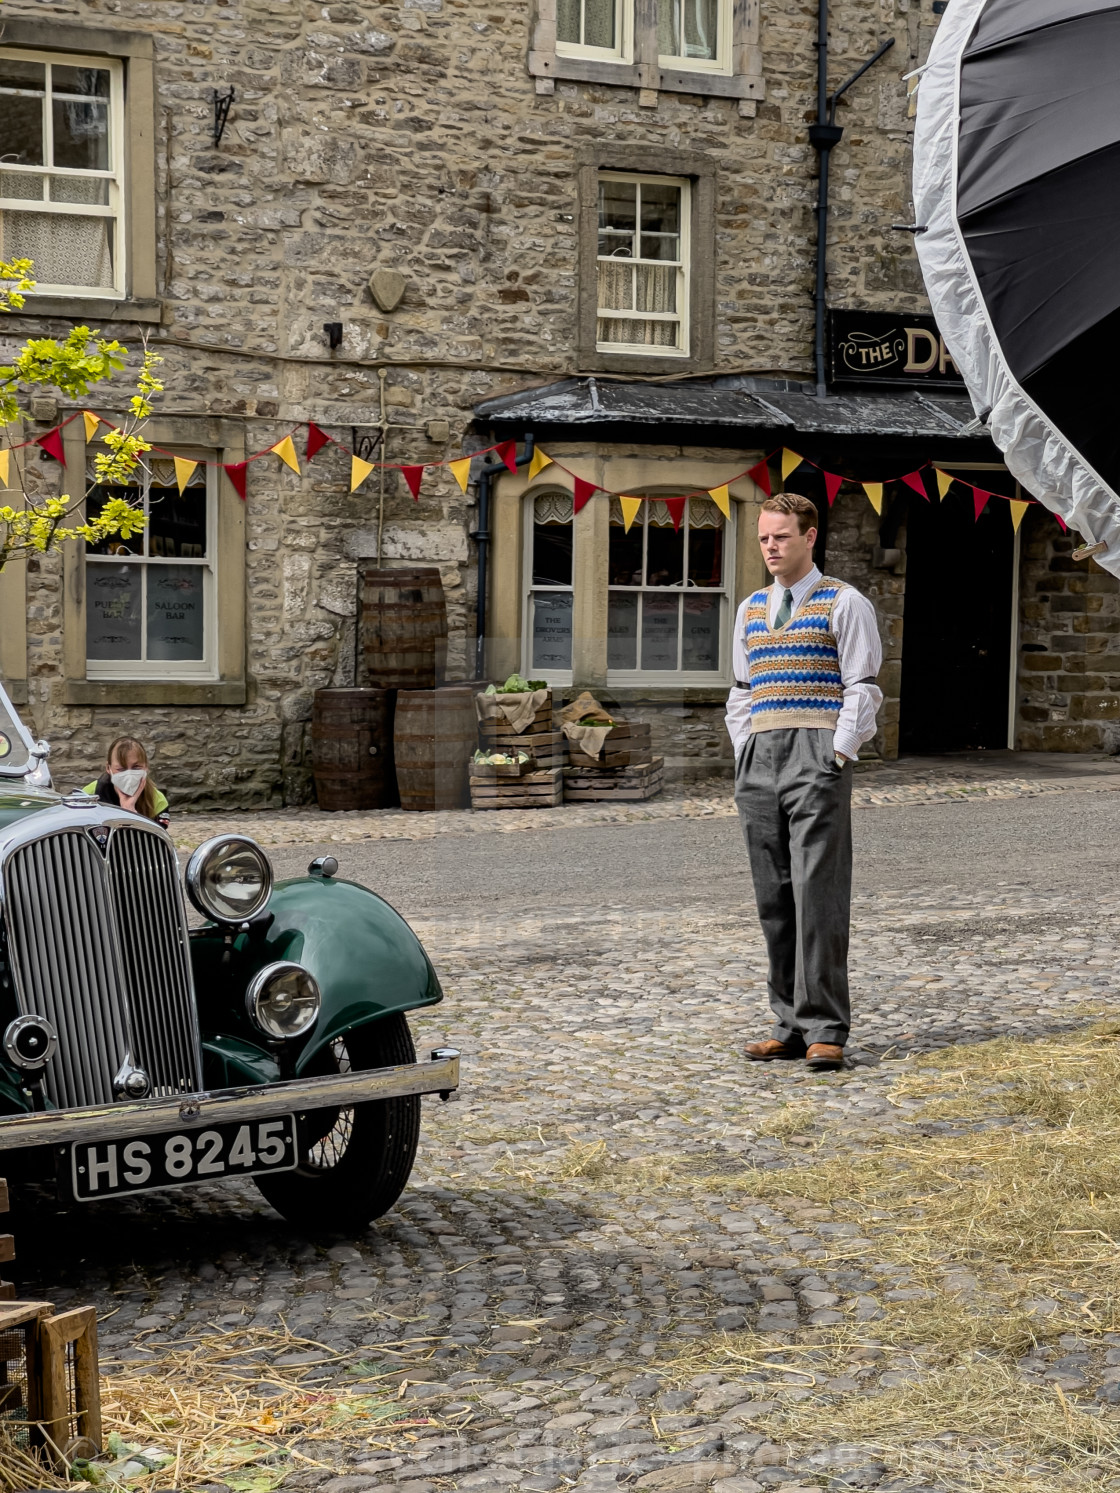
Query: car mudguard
(365, 957)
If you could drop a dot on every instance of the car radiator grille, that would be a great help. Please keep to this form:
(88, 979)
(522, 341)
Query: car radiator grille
(99, 946)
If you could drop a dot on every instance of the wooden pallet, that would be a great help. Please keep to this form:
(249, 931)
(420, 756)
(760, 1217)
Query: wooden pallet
(536, 790)
(598, 784)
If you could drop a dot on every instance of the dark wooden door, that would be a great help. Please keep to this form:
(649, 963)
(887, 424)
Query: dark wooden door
(956, 641)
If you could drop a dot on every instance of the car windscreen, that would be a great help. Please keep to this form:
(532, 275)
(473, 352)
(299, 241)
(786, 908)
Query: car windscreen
(15, 743)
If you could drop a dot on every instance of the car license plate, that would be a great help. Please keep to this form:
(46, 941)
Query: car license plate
(103, 1169)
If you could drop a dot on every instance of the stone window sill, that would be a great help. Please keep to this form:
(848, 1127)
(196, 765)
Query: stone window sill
(96, 309)
(153, 692)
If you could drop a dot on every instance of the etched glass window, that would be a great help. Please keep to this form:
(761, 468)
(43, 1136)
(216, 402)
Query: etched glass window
(642, 264)
(666, 604)
(60, 169)
(149, 598)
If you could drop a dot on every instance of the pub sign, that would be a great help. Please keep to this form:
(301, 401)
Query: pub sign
(883, 350)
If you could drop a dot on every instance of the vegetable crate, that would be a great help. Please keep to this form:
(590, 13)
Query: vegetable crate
(549, 748)
(609, 784)
(496, 731)
(536, 790)
(627, 745)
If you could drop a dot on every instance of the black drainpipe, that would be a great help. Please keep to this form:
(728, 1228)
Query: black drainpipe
(824, 136)
(486, 473)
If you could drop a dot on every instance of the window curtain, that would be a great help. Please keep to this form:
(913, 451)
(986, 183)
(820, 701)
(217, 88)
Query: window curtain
(624, 286)
(63, 250)
(688, 28)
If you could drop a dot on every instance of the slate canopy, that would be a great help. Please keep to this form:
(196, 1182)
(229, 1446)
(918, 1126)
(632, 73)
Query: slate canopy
(1017, 185)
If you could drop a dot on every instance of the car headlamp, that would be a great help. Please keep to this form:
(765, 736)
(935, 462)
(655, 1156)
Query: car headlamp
(283, 1000)
(229, 878)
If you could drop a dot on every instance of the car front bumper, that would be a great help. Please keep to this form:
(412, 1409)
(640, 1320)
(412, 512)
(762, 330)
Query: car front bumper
(248, 1102)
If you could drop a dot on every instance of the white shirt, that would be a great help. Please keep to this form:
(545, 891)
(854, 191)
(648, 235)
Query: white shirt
(861, 657)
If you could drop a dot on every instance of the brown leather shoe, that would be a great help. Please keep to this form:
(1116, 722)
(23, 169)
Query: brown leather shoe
(825, 1055)
(771, 1050)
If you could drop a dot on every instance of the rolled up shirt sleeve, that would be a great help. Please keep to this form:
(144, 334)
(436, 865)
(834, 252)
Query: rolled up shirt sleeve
(738, 717)
(856, 630)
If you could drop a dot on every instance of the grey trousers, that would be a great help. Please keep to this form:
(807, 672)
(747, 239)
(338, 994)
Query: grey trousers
(795, 805)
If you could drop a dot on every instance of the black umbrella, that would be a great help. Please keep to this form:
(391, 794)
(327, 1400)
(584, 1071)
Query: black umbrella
(1017, 183)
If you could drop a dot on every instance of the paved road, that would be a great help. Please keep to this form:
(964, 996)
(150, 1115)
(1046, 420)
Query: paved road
(600, 981)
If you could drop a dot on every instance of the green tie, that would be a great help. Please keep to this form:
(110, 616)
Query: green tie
(785, 611)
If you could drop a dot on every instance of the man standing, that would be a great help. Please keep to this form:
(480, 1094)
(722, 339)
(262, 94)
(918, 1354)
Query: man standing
(806, 655)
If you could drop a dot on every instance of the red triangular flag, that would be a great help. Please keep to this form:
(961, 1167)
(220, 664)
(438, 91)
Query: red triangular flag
(507, 452)
(583, 491)
(979, 500)
(760, 476)
(236, 471)
(413, 476)
(52, 444)
(1062, 523)
(914, 480)
(676, 510)
(316, 439)
(832, 481)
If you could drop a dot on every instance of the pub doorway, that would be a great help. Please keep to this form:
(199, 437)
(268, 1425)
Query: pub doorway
(960, 621)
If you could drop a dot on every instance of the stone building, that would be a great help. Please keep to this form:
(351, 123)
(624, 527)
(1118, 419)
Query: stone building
(585, 225)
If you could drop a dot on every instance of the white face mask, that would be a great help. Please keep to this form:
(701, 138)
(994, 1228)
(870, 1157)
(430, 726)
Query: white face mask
(128, 783)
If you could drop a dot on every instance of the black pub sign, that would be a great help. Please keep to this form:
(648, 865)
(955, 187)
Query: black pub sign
(884, 349)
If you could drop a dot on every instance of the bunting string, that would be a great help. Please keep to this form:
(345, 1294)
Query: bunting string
(413, 473)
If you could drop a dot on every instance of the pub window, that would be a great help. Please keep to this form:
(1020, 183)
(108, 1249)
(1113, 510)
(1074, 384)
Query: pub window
(150, 599)
(695, 34)
(550, 592)
(643, 264)
(61, 153)
(667, 609)
(596, 29)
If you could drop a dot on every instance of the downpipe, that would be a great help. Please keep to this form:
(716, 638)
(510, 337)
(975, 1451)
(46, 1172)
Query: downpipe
(481, 536)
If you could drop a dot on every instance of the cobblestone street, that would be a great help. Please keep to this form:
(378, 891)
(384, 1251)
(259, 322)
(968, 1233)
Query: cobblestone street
(577, 1290)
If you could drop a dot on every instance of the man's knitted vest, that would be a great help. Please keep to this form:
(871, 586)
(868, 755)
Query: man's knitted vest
(794, 671)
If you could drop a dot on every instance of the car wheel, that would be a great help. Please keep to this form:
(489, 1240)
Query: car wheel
(355, 1162)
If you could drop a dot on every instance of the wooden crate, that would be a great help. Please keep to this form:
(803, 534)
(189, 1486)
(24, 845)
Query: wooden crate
(629, 731)
(610, 784)
(634, 758)
(498, 770)
(549, 748)
(536, 790)
(497, 729)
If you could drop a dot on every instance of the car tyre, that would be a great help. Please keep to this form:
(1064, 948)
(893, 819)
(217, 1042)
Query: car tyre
(355, 1162)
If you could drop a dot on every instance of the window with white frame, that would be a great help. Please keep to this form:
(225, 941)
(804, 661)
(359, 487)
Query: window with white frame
(595, 29)
(549, 630)
(667, 601)
(643, 264)
(695, 34)
(61, 153)
(150, 599)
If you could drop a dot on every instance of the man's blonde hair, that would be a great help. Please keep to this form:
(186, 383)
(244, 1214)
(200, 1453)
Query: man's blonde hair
(793, 502)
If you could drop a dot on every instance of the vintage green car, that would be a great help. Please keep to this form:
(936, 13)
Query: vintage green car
(137, 1053)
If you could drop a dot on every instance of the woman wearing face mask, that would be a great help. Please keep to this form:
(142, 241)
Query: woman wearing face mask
(127, 781)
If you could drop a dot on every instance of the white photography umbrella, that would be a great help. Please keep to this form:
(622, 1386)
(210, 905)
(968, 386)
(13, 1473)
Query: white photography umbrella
(1017, 187)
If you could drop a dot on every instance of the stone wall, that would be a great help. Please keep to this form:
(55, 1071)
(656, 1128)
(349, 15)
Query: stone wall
(411, 137)
(1069, 646)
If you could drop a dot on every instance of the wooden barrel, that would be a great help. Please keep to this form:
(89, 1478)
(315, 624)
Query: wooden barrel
(403, 643)
(434, 738)
(352, 749)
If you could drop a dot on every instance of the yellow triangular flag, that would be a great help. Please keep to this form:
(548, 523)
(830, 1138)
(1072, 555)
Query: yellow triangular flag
(461, 471)
(184, 471)
(790, 462)
(874, 491)
(722, 499)
(5, 458)
(1018, 508)
(287, 453)
(630, 510)
(91, 423)
(944, 482)
(539, 462)
(359, 471)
